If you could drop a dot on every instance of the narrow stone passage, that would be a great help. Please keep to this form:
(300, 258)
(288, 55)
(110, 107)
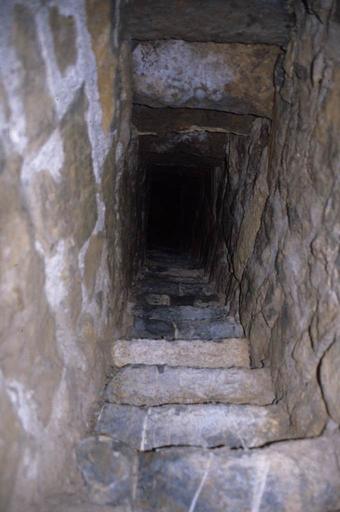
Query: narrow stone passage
(169, 256)
(182, 394)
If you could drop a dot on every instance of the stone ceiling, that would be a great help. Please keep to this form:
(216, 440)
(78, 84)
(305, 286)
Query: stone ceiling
(201, 69)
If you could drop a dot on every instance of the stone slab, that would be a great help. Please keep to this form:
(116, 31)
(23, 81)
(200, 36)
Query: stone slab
(197, 148)
(181, 313)
(157, 385)
(208, 425)
(231, 78)
(240, 21)
(174, 273)
(160, 121)
(297, 476)
(233, 352)
(164, 286)
(205, 329)
(107, 468)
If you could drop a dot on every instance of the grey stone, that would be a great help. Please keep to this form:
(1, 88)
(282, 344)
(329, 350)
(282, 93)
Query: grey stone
(205, 75)
(186, 329)
(154, 299)
(157, 385)
(38, 105)
(161, 286)
(233, 352)
(290, 476)
(243, 21)
(180, 313)
(107, 468)
(208, 425)
(330, 383)
(64, 38)
(174, 273)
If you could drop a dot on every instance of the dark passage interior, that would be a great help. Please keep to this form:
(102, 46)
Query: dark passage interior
(175, 197)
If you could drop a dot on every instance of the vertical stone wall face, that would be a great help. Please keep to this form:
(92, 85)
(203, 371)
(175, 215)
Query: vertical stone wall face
(246, 195)
(67, 169)
(289, 281)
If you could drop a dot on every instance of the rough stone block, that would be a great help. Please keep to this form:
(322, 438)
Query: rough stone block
(187, 329)
(201, 354)
(291, 476)
(157, 385)
(244, 21)
(208, 425)
(107, 468)
(160, 121)
(205, 75)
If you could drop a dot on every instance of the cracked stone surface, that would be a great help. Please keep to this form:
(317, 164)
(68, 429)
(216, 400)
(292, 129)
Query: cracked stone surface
(206, 425)
(156, 385)
(284, 477)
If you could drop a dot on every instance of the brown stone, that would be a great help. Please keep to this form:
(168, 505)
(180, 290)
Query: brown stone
(205, 75)
(152, 385)
(233, 352)
(99, 23)
(67, 207)
(64, 38)
(92, 260)
(22, 300)
(38, 104)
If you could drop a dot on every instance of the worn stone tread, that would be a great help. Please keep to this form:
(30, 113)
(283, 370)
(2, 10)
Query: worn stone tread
(233, 352)
(299, 476)
(157, 385)
(208, 425)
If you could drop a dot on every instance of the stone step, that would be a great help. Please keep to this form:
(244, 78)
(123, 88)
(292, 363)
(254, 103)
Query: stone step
(158, 385)
(181, 313)
(208, 425)
(232, 352)
(175, 274)
(158, 299)
(205, 329)
(299, 476)
(172, 288)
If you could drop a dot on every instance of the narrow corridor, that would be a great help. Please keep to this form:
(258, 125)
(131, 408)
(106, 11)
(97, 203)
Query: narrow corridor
(169, 256)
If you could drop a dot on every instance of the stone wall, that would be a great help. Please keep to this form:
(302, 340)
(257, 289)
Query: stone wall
(67, 208)
(288, 275)
(245, 197)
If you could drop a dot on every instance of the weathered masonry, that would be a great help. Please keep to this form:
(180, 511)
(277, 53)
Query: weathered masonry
(169, 256)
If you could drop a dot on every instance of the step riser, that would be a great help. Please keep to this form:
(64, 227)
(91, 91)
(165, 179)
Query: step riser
(200, 354)
(207, 330)
(182, 313)
(194, 425)
(152, 385)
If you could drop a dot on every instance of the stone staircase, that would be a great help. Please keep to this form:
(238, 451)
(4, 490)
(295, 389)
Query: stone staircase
(186, 421)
